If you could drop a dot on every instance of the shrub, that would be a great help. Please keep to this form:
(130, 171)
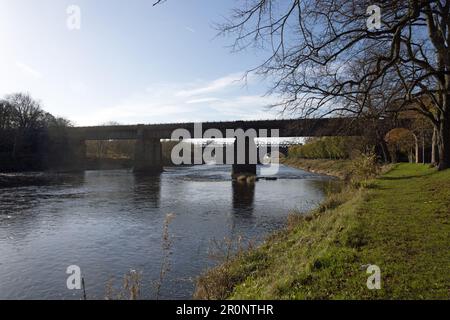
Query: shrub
(322, 148)
(365, 167)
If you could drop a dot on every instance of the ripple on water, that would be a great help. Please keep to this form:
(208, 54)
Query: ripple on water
(109, 222)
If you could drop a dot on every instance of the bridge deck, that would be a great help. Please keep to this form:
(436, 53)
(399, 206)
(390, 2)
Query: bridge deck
(287, 128)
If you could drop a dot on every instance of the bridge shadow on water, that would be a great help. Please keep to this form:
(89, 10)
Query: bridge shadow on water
(147, 188)
(243, 197)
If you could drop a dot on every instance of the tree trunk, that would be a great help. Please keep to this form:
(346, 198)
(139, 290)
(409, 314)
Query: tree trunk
(417, 148)
(444, 142)
(384, 148)
(423, 147)
(434, 156)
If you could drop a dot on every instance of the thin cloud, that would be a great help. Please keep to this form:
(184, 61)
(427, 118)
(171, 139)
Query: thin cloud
(217, 85)
(202, 100)
(247, 107)
(28, 70)
(78, 87)
(190, 29)
(159, 104)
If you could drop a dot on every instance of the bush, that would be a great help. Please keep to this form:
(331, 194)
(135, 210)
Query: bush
(365, 167)
(322, 148)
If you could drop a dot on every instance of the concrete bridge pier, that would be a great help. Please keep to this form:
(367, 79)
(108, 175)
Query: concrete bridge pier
(246, 163)
(80, 154)
(148, 154)
(69, 157)
(243, 169)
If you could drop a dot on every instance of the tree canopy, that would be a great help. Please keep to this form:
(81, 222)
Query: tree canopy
(21, 111)
(352, 57)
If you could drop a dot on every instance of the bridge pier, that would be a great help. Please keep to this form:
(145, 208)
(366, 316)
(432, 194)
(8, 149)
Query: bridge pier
(66, 155)
(79, 152)
(243, 170)
(148, 154)
(245, 159)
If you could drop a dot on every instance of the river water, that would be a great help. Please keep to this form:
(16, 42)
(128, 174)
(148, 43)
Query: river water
(111, 222)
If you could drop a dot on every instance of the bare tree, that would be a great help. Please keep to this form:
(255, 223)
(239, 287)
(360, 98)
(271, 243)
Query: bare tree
(27, 112)
(6, 115)
(50, 121)
(313, 44)
(21, 111)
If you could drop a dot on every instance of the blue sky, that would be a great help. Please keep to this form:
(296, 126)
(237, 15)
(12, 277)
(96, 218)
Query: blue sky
(130, 62)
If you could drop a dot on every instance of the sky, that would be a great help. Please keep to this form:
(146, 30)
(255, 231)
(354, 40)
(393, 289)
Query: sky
(129, 62)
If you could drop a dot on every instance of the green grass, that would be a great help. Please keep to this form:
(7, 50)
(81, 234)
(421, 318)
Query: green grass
(400, 224)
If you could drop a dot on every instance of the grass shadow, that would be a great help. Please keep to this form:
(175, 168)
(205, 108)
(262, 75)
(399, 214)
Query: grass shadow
(407, 177)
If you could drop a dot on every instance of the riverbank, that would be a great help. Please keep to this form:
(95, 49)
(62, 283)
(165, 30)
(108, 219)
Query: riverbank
(337, 168)
(400, 223)
(26, 179)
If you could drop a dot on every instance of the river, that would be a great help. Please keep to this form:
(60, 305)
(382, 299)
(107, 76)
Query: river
(111, 222)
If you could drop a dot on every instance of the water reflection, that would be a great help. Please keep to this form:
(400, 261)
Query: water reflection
(243, 197)
(147, 190)
(109, 222)
(21, 206)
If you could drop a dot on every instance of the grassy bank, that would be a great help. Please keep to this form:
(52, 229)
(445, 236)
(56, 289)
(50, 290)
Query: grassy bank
(400, 224)
(336, 168)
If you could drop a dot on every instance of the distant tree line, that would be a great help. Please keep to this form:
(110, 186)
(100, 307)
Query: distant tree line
(110, 149)
(21, 111)
(414, 144)
(30, 138)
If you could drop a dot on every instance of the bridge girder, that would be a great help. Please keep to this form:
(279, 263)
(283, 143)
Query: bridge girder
(287, 128)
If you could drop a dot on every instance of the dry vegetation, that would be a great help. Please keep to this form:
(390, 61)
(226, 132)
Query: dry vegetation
(400, 224)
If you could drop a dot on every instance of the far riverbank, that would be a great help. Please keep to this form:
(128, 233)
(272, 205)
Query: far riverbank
(336, 168)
